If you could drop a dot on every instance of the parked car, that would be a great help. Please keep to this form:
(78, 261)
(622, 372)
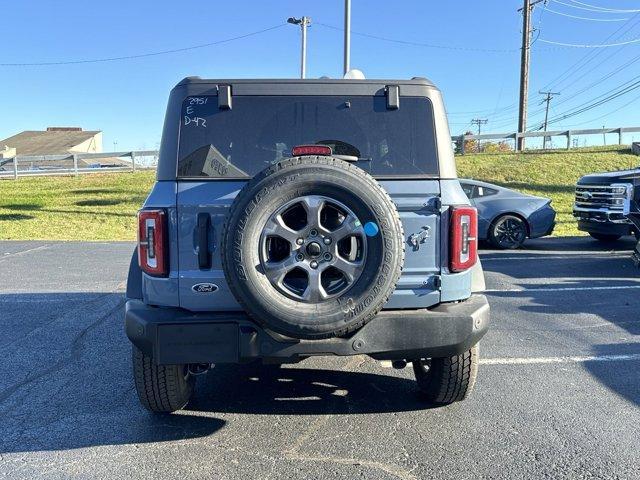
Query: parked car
(599, 204)
(282, 216)
(506, 218)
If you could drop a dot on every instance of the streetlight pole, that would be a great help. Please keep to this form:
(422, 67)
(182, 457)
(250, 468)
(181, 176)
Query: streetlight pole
(347, 35)
(304, 22)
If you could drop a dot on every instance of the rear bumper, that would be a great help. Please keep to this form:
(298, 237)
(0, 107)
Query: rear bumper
(542, 222)
(176, 336)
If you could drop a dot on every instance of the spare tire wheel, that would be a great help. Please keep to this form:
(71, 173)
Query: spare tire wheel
(313, 247)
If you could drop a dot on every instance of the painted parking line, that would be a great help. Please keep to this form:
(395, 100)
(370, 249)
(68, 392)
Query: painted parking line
(568, 359)
(561, 289)
(553, 256)
(23, 252)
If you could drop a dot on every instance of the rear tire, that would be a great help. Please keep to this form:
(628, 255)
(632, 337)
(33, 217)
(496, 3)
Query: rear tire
(605, 237)
(508, 232)
(446, 380)
(161, 388)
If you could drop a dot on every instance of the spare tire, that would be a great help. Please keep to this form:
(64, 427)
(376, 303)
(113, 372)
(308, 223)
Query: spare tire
(312, 247)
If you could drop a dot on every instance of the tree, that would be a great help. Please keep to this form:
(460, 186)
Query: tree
(469, 145)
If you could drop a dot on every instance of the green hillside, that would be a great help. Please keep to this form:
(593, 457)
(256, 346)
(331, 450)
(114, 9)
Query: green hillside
(103, 206)
(551, 174)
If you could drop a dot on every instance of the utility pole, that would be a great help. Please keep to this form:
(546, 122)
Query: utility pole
(549, 96)
(479, 122)
(604, 136)
(526, 10)
(347, 36)
(304, 22)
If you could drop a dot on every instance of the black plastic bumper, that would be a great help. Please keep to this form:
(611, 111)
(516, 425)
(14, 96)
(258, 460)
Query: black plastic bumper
(176, 336)
(604, 227)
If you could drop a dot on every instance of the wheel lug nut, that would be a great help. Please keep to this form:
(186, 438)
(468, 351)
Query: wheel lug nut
(300, 241)
(313, 264)
(326, 240)
(327, 256)
(299, 257)
(313, 232)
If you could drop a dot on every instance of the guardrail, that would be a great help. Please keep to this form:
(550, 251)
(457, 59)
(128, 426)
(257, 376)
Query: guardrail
(68, 164)
(556, 133)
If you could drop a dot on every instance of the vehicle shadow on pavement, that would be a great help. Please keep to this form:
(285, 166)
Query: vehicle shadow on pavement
(582, 317)
(287, 390)
(618, 306)
(66, 381)
(621, 377)
(103, 428)
(574, 244)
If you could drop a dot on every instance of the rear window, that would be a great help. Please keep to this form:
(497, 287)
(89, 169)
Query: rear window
(261, 130)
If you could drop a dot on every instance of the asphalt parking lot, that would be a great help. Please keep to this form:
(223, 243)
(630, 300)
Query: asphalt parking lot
(558, 394)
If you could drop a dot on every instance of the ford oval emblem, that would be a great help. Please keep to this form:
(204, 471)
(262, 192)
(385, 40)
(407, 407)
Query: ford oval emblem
(204, 287)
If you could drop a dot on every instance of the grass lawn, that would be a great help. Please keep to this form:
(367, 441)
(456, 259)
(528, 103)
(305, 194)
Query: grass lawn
(103, 206)
(88, 207)
(552, 174)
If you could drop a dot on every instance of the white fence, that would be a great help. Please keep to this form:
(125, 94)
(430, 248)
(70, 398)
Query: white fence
(77, 163)
(568, 134)
(84, 163)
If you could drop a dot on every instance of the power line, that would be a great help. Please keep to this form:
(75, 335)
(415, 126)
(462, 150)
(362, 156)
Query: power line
(142, 55)
(605, 9)
(579, 45)
(600, 99)
(586, 18)
(420, 44)
(484, 110)
(606, 97)
(626, 104)
(601, 79)
(594, 8)
(591, 55)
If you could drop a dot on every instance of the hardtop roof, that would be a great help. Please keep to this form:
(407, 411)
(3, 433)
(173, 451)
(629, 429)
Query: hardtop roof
(420, 81)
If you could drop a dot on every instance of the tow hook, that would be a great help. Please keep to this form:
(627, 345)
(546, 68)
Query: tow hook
(199, 368)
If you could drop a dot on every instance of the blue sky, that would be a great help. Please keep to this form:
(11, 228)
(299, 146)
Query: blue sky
(476, 63)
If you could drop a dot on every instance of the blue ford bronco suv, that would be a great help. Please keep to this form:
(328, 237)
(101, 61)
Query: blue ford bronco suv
(297, 218)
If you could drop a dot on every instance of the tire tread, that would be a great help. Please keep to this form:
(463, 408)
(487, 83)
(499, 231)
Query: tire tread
(160, 388)
(449, 379)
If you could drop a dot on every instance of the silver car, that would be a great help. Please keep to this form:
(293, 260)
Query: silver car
(506, 217)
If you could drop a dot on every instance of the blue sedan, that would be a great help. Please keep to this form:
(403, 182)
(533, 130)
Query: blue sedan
(506, 217)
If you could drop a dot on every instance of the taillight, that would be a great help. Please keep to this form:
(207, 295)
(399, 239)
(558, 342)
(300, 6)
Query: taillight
(311, 150)
(464, 238)
(152, 242)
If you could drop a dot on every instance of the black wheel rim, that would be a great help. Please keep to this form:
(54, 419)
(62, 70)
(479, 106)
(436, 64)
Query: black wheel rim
(313, 248)
(510, 232)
